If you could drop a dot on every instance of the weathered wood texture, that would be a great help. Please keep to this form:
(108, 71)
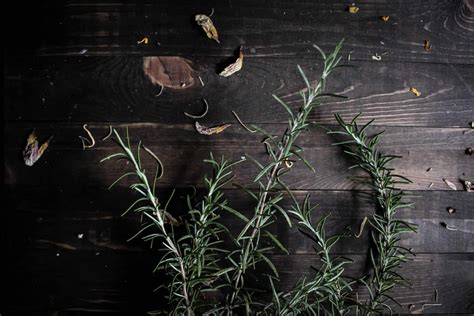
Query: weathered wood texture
(183, 150)
(270, 28)
(115, 89)
(65, 243)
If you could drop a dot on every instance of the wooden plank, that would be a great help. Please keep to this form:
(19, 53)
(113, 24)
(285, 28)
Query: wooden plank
(117, 282)
(88, 218)
(273, 28)
(115, 89)
(182, 151)
(448, 274)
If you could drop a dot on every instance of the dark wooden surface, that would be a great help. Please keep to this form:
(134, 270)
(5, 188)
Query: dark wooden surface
(52, 85)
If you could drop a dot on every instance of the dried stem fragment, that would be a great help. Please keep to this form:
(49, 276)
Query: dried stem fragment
(242, 123)
(91, 141)
(143, 41)
(201, 115)
(109, 134)
(361, 228)
(161, 168)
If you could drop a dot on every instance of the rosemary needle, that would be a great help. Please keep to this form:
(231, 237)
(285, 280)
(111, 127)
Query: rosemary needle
(203, 114)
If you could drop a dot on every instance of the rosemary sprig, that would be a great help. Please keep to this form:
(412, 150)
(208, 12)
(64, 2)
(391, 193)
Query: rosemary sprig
(387, 255)
(281, 150)
(191, 262)
(327, 291)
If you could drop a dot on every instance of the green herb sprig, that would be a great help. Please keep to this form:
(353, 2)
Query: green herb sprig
(387, 255)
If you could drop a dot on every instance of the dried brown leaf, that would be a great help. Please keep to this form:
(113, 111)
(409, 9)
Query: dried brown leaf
(32, 153)
(206, 23)
(234, 67)
(201, 129)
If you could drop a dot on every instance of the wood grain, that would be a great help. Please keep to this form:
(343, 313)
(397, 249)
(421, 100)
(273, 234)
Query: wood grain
(115, 282)
(273, 28)
(182, 151)
(89, 219)
(81, 89)
(64, 241)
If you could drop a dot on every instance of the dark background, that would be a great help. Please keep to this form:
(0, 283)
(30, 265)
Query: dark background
(53, 85)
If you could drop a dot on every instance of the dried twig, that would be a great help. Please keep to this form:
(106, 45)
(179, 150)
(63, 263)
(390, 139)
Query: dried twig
(109, 134)
(242, 123)
(361, 228)
(83, 139)
(201, 115)
(160, 164)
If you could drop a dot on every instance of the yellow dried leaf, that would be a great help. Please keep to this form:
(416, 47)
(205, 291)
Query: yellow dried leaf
(385, 18)
(234, 67)
(206, 23)
(427, 45)
(415, 91)
(201, 129)
(353, 9)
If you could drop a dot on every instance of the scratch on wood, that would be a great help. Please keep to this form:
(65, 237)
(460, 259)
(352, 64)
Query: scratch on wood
(57, 244)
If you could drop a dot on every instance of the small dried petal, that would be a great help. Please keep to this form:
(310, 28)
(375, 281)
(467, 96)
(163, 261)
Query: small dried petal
(450, 184)
(32, 153)
(234, 67)
(143, 41)
(353, 9)
(201, 129)
(206, 23)
(385, 18)
(415, 91)
(427, 45)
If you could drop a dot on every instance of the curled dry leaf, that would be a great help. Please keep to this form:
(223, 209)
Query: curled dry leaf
(32, 153)
(450, 184)
(206, 23)
(91, 139)
(427, 45)
(234, 67)
(201, 129)
(415, 91)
